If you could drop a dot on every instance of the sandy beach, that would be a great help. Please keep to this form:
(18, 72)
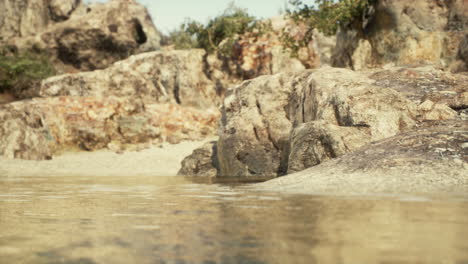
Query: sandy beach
(155, 161)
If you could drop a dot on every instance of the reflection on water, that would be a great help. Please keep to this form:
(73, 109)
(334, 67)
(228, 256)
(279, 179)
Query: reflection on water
(171, 220)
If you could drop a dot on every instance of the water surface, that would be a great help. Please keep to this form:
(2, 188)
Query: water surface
(173, 220)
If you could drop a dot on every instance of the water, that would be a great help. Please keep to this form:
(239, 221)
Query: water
(171, 220)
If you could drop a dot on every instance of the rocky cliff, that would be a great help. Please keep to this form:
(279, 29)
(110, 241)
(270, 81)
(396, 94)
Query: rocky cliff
(79, 36)
(404, 33)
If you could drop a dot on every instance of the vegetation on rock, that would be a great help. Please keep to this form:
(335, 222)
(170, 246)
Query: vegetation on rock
(220, 33)
(18, 71)
(326, 16)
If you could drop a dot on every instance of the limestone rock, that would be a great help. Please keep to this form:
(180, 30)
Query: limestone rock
(202, 162)
(164, 76)
(21, 18)
(315, 142)
(431, 158)
(287, 122)
(61, 10)
(404, 33)
(421, 84)
(461, 65)
(94, 36)
(37, 128)
(254, 128)
(259, 115)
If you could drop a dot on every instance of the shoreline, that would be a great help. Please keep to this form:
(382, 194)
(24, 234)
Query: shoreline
(164, 160)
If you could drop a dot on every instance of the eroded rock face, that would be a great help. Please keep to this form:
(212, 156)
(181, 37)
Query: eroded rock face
(169, 76)
(404, 33)
(21, 18)
(430, 158)
(461, 65)
(92, 37)
(318, 141)
(203, 162)
(255, 128)
(36, 128)
(428, 87)
(344, 110)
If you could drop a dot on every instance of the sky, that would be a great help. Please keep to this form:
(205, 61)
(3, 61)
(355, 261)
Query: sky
(169, 14)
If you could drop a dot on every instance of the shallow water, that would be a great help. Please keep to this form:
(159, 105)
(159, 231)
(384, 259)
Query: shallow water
(172, 220)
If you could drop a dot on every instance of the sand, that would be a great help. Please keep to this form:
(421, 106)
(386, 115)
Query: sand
(155, 161)
(331, 178)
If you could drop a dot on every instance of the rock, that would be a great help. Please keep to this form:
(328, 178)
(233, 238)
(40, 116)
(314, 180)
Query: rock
(255, 128)
(432, 158)
(37, 128)
(318, 141)
(259, 114)
(24, 135)
(461, 65)
(94, 36)
(165, 76)
(404, 33)
(256, 54)
(21, 18)
(420, 84)
(202, 162)
(6, 98)
(61, 10)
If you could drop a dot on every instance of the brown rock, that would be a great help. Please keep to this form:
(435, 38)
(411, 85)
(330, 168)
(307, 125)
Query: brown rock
(432, 158)
(35, 129)
(94, 36)
(315, 142)
(259, 114)
(404, 33)
(203, 162)
(21, 18)
(421, 84)
(166, 76)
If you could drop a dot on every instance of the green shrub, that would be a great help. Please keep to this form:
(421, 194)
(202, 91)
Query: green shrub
(324, 15)
(328, 15)
(220, 33)
(19, 71)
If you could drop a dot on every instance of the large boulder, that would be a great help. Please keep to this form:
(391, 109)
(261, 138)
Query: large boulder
(431, 158)
(404, 33)
(164, 76)
(345, 110)
(37, 128)
(94, 36)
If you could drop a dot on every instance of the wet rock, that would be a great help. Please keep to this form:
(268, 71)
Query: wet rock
(165, 76)
(202, 162)
(430, 158)
(37, 128)
(404, 33)
(94, 36)
(259, 115)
